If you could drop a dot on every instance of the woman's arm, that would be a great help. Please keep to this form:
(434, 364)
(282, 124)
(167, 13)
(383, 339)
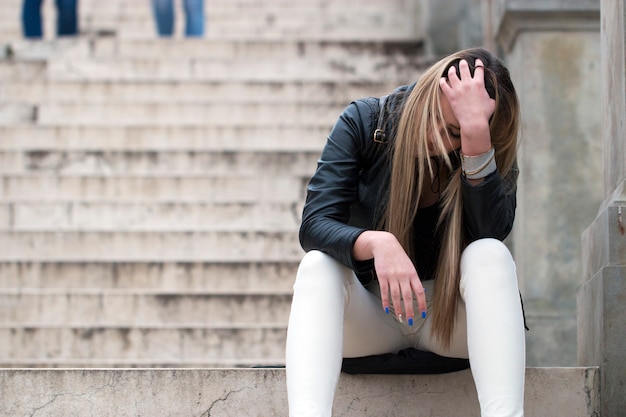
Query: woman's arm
(333, 189)
(489, 207)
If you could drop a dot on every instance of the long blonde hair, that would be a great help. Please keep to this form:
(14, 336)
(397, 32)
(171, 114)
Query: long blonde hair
(420, 117)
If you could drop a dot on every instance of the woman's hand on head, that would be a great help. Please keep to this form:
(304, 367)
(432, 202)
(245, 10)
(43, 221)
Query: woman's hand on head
(470, 104)
(396, 273)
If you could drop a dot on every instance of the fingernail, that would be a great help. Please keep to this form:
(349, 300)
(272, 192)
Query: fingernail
(410, 321)
(423, 314)
(386, 310)
(400, 319)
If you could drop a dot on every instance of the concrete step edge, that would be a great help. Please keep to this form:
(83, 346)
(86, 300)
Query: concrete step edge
(199, 48)
(120, 363)
(250, 189)
(148, 217)
(148, 137)
(159, 275)
(144, 246)
(231, 91)
(146, 163)
(137, 292)
(554, 392)
(183, 326)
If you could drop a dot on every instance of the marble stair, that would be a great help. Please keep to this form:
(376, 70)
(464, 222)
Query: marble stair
(152, 188)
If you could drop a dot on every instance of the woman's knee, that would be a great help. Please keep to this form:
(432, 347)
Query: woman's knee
(488, 260)
(485, 253)
(319, 271)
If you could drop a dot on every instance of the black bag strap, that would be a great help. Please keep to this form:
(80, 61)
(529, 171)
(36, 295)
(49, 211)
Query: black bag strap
(379, 134)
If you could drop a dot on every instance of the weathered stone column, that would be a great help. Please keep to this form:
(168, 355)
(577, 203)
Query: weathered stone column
(451, 25)
(602, 298)
(552, 49)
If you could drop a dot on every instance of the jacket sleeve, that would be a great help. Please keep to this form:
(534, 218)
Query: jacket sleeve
(333, 188)
(489, 208)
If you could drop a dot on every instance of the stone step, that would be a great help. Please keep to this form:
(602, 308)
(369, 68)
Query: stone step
(396, 62)
(144, 163)
(40, 52)
(189, 91)
(20, 71)
(249, 50)
(166, 217)
(219, 277)
(92, 7)
(268, 22)
(99, 138)
(161, 114)
(95, 308)
(146, 363)
(265, 22)
(21, 113)
(168, 60)
(175, 115)
(142, 345)
(235, 19)
(137, 189)
(150, 246)
(554, 392)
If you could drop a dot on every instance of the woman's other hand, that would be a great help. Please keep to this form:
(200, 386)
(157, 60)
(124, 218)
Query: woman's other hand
(396, 273)
(471, 105)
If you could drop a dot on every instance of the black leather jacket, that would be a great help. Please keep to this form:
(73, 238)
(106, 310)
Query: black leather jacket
(347, 193)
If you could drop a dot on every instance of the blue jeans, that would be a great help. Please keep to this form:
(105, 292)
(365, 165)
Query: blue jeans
(67, 18)
(164, 17)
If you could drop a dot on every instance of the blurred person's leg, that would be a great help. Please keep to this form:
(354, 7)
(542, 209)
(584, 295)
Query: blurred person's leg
(194, 12)
(31, 19)
(164, 16)
(67, 17)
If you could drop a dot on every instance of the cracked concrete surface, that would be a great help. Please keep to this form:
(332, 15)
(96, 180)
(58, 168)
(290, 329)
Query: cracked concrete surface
(132, 392)
(557, 392)
(224, 399)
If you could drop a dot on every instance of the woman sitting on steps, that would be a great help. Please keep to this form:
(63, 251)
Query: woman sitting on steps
(403, 227)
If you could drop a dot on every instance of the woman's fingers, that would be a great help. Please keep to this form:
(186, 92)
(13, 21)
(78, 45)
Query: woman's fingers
(420, 296)
(396, 299)
(467, 95)
(397, 277)
(453, 76)
(400, 294)
(407, 297)
(464, 74)
(464, 70)
(479, 66)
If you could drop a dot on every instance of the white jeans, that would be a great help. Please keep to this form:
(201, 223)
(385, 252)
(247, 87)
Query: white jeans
(334, 316)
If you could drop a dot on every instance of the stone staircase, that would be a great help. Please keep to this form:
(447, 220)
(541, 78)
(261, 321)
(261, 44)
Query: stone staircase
(150, 198)
(152, 188)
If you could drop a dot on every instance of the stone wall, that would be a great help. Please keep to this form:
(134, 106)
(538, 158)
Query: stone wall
(552, 49)
(601, 299)
(451, 25)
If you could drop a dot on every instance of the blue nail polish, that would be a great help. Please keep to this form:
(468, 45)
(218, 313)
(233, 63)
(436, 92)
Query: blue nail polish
(386, 310)
(410, 321)
(423, 314)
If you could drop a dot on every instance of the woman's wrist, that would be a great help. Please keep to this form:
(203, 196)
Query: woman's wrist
(475, 138)
(364, 246)
(478, 166)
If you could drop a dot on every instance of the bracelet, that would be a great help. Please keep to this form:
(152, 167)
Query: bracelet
(479, 166)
